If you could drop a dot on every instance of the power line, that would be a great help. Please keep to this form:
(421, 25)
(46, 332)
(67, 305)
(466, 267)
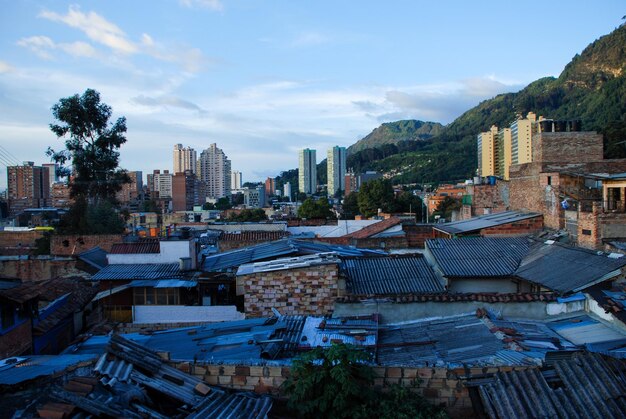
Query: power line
(10, 157)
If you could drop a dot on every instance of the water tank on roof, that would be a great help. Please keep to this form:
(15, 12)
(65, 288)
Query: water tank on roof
(575, 125)
(491, 180)
(546, 125)
(560, 126)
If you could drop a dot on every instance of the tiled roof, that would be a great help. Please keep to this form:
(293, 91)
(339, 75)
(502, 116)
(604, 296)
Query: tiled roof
(253, 236)
(390, 275)
(485, 221)
(141, 247)
(565, 268)
(478, 256)
(585, 386)
(374, 229)
(138, 271)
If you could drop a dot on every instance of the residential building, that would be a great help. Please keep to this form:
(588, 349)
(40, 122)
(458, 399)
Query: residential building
(486, 142)
(444, 191)
(52, 170)
(215, 172)
(236, 180)
(336, 169)
(162, 183)
(183, 191)
(28, 187)
(270, 186)
(522, 131)
(60, 195)
(185, 159)
(307, 171)
(287, 190)
(254, 198)
(133, 190)
(503, 153)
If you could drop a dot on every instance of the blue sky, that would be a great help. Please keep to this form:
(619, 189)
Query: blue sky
(263, 79)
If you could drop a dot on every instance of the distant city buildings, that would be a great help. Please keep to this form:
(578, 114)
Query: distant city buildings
(215, 172)
(270, 186)
(187, 191)
(307, 174)
(28, 187)
(185, 158)
(133, 190)
(254, 198)
(354, 181)
(161, 184)
(287, 190)
(336, 169)
(235, 180)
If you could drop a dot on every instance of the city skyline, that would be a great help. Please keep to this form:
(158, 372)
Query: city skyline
(314, 76)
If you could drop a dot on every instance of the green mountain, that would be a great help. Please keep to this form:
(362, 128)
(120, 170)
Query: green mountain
(592, 88)
(394, 132)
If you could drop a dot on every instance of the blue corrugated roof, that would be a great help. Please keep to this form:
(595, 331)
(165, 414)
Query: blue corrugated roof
(138, 271)
(478, 256)
(39, 366)
(390, 275)
(565, 268)
(485, 221)
(163, 283)
(270, 250)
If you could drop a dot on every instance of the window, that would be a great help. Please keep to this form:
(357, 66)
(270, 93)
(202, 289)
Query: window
(156, 296)
(549, 180)
(586, 232)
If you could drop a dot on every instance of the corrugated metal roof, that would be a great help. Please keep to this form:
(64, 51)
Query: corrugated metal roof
(584, 329)
(141, 247)
(289, 263)
(374, 229)
(478, 256)
(585, 386)
(485, 221)
(318, 331)
(565, 268)
(614, 348)
(95, 257)
(31, 367)
(271, 250)
(138, 271)
(253, 236)
(390, 275)
(163, 283)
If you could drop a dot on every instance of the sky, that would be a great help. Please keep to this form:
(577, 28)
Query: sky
(264, 79)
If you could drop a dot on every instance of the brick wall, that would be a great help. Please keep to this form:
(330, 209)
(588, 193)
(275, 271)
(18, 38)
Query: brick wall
(67, 245)
(489, 199)
(416, 235)
(39, 268)
(565, 146)
(17, 341)
(440, 386)
(309, 290)
(518, 228)
(19, 239)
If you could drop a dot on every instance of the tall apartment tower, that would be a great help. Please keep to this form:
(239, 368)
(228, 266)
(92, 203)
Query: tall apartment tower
(28, 187)
(307, 173)
(215, 172)
(185, 159)
(235, 180)
(183, 191)
(336, 169)
(486, 142)
(270, 186)
(162, 183)
(287, 190)
(522, 132)
(503, 153)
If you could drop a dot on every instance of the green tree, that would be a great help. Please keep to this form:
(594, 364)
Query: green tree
(350, 206)
(315, 209)
(375, 194)
(92, 150)
(248, 215)
(408, 202)
(91, 145)
(447, 206)
(223, 204)
(208, 206)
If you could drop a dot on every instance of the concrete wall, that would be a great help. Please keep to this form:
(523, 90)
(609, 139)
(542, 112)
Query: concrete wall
(584, 146)
(482, 285)
(185, 314)
(307, 290)
(171, 252)
(402, 312)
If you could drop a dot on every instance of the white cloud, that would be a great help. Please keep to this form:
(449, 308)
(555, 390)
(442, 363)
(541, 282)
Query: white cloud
(206, 4)
(306, 39)
(6, 67)
(97, 28)
(165, 102)
(40, 45)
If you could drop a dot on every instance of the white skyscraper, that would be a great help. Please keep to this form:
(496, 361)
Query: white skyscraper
(215, 172)
(185, 159)
(307, 174)
(336, 169)
(287, 190)
(162, 183)
(235, 180)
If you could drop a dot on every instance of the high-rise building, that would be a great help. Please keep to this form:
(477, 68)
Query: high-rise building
(503, 153)
(235, 180)
(522, 132)
(52, 172)
(254, 198)
(28, 187)
(215, 172)
(336, 169)
(162, 183)
(270, 186)
(486, 143)
(287, 190)
(185, 159)
(183, 191)
(307, 172)
(133, 190)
